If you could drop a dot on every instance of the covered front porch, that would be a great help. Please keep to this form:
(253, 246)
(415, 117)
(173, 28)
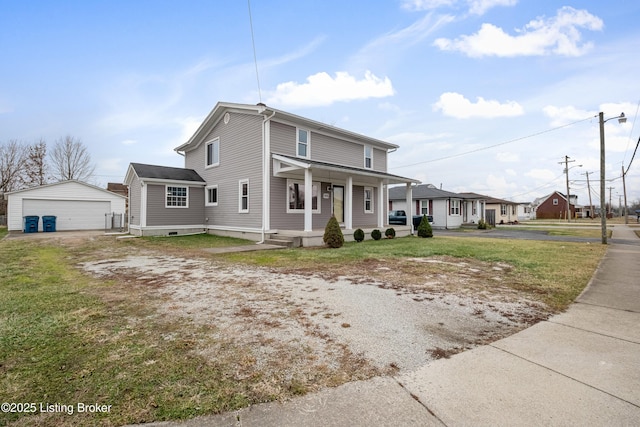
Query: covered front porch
(356, 197)
(297, 238)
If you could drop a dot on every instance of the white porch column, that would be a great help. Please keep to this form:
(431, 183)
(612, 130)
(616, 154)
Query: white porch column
(308, 197)
(382, 212)
(348, 204)
(410, 208)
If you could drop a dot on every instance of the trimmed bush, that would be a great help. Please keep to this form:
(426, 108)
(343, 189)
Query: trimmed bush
(424, 229)
(376, 234)
(333, 236)
(390, 233)
(358, 235)
(482, 225)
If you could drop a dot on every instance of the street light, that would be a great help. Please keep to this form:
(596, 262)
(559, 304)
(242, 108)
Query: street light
(603, 215)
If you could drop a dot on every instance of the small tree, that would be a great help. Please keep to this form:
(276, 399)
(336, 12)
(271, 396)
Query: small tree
(376, 234)
(333, 236)
(390, 233)
(424, 229)
(70, 159)
(358, 235)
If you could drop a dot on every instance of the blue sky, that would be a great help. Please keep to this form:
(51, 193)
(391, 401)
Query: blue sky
(476, 93)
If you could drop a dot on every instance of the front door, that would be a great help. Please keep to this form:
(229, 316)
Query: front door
(338, 203)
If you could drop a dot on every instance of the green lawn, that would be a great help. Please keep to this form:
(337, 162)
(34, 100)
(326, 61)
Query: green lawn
(69, 338)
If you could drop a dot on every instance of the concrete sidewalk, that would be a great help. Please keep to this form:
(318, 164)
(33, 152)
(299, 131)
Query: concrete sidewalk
(579, 368)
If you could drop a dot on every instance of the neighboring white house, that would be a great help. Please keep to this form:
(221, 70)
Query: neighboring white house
(444, 206)
(76, 205)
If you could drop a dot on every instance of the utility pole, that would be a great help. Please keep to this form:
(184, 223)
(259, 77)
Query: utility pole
(624, 190)
(566, 170)
(610, 205)
(592, 213)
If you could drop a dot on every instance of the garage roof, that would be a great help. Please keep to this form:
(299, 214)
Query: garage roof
(165, 173)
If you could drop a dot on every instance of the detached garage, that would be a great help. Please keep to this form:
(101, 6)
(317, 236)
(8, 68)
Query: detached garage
(76, 205)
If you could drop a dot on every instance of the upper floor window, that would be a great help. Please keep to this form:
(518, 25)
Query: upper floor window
(368, 200)
(555, 202)
(212, 195)
(213, 152)
(302, 148)
(177, 197)
(368, 157)
(243, 201)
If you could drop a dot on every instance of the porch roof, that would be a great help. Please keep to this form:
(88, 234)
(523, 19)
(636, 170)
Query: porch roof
(284, 165)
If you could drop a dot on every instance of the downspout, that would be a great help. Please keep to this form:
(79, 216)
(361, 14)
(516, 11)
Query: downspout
(446, 214)
(265, 173)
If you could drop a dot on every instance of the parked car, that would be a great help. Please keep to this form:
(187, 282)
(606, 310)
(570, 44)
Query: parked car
(399, 217)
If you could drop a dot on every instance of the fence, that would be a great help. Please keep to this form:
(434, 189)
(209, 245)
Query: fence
(3, 220)
(114, 222)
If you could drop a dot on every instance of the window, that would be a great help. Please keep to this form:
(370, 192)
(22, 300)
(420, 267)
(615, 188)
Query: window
(213, 153)
(454, 207)
(303, 143)
(296, 197)
(503, 209)
(555, 202)
(243, 202)
(424, 207)
(212, 195)
(474, 208)
(368, 157)
(177, 197)
(368, 200)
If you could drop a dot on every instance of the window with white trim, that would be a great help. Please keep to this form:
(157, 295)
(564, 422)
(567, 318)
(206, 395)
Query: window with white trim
(503, 209)
(243, 193)
(454, 207)
(177, 197)
(368, 157)
(368, 200)
(212, 150)
(302, 145)
(424, 207)
(211, 195)
(296, 197)
(555, 202)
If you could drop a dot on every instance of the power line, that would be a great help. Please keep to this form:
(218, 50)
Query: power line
(493, 146)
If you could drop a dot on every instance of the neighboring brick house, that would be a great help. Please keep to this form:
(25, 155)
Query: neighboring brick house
(257, 172)
(554, 206)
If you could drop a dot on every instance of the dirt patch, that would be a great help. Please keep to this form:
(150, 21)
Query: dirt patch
(303, 323)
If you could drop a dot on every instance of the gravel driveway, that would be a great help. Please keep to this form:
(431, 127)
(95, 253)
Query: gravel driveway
(319, 317)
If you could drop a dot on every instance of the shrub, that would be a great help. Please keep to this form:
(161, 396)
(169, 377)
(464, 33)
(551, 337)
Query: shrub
(358, 235)
(333, 236)
(482, 225)
(424, 229)
(376, 234)
(390, 233)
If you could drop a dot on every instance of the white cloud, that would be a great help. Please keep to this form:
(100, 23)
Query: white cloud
(542, 174)
(455, 105)
(564, 115)
(321, 89)
(479, 7)
(558, 35)
(507, 157)
(129, 142)
(476, 7)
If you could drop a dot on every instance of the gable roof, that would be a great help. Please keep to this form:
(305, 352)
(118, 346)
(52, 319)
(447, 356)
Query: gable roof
(423, 191)
(269, 113)
(163, 173)
(53, 184)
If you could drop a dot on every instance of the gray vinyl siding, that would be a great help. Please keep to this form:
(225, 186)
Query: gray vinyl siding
(135, 201)
(158, 214)
(361, 219)
(324, 148)
(240, 158)
(282, 220)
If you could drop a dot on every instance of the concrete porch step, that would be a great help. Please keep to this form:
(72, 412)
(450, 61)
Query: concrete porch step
(281, 241)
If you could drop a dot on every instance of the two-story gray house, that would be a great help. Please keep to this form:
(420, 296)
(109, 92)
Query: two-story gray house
(256, 172)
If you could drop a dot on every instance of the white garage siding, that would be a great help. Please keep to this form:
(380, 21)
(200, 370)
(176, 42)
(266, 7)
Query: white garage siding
(77, 205)
(70, 214)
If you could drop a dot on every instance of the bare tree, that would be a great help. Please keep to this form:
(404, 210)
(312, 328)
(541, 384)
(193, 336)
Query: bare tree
(71, 160)
(12, 158)
(35, 167)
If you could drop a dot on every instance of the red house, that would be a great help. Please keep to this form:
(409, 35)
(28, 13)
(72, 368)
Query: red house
(554, 206)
